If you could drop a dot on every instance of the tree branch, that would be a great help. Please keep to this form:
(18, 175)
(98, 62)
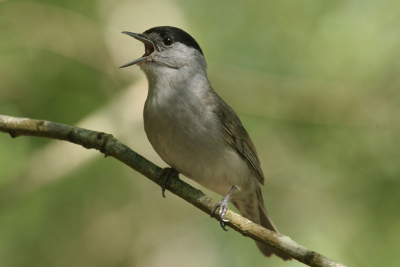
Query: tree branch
(110, 146)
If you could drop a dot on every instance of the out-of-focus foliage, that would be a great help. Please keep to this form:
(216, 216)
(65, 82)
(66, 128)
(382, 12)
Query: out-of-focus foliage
(316, 84)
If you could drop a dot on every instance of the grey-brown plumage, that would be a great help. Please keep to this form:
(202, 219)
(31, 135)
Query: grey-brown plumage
(194, 131)
(237, 136)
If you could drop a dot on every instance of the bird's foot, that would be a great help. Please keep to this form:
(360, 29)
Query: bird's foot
(166, 174)
(222, 207)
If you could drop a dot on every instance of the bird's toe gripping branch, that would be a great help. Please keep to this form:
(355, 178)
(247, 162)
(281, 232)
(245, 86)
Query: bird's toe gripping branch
(222, 207)
(166, 174)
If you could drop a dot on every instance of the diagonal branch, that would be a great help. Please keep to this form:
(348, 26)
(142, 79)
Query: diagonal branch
(110, 146)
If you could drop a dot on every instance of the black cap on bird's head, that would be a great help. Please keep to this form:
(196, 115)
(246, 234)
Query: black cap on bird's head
(176, 34)
(159, 39)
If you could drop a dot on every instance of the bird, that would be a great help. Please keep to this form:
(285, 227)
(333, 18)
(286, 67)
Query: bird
(195, 131)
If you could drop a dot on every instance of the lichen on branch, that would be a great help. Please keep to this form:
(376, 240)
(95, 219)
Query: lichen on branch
(110, 146)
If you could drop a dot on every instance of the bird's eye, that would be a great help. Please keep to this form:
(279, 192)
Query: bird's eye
(168, 41)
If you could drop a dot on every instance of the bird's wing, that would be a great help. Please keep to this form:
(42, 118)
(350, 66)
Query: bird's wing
(237, 136)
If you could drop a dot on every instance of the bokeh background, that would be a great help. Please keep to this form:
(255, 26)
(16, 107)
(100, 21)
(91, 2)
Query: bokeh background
(316, 84)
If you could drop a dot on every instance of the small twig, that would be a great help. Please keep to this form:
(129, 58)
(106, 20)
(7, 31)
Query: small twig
(110, 146)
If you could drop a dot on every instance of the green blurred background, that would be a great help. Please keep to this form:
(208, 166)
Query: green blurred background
(316, 84)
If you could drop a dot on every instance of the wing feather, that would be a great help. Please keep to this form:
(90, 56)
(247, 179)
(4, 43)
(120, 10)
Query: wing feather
(237, 136)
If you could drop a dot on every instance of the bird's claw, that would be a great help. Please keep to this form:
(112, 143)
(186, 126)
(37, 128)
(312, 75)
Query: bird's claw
(166, 174)
(222, 207)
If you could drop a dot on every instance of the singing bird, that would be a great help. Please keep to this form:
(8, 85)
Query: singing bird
(194, 130)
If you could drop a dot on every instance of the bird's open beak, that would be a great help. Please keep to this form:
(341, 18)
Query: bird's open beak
(149, 48)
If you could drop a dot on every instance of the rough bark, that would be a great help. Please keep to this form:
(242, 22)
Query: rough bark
(110, 146)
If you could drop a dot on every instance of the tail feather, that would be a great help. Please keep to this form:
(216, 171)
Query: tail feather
(256, 212)
(267, 223)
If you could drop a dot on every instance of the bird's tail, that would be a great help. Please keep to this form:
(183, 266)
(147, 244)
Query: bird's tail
(257, 213)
